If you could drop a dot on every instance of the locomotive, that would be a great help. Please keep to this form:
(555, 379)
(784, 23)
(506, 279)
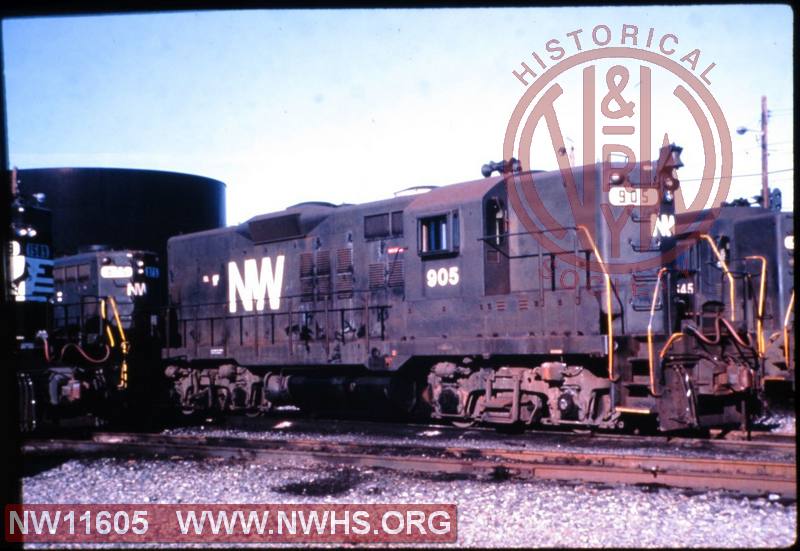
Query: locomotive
(88, 331)
(449, 302)
(76, 318)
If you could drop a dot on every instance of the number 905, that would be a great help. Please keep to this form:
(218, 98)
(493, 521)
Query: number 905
(442, 277)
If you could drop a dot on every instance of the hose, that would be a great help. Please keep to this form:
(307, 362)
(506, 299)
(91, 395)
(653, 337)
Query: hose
(736, 336)
(43, 335)
(46, 350)
(84, 354)
(702, 337)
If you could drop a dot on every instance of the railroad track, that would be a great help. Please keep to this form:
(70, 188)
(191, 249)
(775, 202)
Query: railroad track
(723, 440)
(746, 476)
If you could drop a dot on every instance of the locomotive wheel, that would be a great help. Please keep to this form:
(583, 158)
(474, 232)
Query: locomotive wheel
(222, 399)
(463, 424)
(469, 409)
(259, 411)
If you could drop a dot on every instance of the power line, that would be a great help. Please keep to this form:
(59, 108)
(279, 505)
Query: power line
(738, 175)
(770, 149)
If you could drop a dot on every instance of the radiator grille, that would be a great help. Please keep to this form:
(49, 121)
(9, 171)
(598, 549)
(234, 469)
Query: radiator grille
(396, 276)
(377, 275)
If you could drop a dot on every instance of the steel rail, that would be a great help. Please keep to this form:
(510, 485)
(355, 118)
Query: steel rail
(541, 437)
(753, 477)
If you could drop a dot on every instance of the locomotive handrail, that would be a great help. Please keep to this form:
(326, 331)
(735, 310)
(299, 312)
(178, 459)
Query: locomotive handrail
(123, 344)
(489, 238)
(651, 363)
(760, 342)
(61, 318)
(731, 283)
(191, 315)
(609, 284)
(786, 354)
(107, 327)
(672, 338)
(609, 314)
(326, 296)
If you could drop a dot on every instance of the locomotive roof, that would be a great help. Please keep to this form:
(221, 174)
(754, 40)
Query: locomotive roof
(298, 220)
(456, 194)
(91, 255)
(688, 219)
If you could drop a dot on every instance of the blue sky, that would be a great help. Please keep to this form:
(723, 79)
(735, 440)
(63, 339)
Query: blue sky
(349, 105)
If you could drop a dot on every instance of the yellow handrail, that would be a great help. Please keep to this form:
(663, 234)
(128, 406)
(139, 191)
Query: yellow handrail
(760, 343)
(123, 345)
(651, 363)
(672, 338)
(609, 316)
(109, 334)
(732, 289)
(116, 318)
(786, 354)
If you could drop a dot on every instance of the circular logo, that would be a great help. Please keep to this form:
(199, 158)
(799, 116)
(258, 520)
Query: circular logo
(634, 208)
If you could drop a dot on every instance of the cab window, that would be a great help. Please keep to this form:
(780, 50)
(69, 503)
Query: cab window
(439, 234)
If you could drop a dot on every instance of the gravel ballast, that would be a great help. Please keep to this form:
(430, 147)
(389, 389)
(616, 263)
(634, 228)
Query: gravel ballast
(490, 512)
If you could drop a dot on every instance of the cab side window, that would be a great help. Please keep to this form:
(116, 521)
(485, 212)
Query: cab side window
(496, 221)
(439, 234)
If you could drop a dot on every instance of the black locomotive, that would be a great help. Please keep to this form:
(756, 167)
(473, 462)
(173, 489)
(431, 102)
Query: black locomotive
(449, 302)
(77, 317)
(89, 328)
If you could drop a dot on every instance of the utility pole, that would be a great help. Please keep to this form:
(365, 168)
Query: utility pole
(764, 182)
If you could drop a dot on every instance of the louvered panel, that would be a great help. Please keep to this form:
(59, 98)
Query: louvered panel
(396, 276)
(307, 289)
(344, 285)
(377, 275)
(344, 261)
(324, 285)
(523, 303)
(306, 277)
(323, 262)
(306, 264)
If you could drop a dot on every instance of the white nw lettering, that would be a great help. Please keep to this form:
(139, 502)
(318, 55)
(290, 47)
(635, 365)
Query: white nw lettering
(137, 288)
(664, 225)
(256, 285)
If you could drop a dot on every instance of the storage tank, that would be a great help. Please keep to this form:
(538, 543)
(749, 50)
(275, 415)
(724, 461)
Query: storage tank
(124, 208)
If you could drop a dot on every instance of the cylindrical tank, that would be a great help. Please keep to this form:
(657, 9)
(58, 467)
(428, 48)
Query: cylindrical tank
(124, 208)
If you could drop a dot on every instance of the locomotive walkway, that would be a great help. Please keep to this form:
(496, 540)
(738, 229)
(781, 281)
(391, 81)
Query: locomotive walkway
(720, 470)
